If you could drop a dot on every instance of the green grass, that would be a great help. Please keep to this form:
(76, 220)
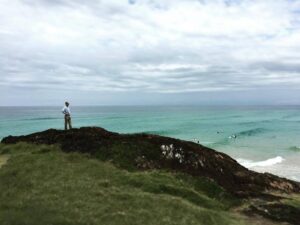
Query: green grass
(293, 200)
(43, 185)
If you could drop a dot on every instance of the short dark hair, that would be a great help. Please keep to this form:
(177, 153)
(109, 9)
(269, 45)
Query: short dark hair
(67, 103)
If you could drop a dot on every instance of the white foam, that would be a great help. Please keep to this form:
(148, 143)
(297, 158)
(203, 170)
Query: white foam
(269, 162)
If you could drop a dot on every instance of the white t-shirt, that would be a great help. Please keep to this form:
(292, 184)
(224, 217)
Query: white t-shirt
(66, 110)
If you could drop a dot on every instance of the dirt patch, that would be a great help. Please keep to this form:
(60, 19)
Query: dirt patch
(3, 159)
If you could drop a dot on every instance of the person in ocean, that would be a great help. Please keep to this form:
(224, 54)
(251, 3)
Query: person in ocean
(232, 136)
(67, 112)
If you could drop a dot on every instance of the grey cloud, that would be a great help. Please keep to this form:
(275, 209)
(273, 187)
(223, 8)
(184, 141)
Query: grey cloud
(278, 66)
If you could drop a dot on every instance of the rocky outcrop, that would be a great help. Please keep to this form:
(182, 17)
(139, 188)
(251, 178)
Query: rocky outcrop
(146, 151)
(276, 212)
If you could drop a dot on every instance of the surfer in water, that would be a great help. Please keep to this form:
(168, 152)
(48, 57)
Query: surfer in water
(232, 136)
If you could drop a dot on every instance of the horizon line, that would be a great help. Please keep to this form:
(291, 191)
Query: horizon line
(143, 105)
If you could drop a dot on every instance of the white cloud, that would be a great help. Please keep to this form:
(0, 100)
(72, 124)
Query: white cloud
(157, 46)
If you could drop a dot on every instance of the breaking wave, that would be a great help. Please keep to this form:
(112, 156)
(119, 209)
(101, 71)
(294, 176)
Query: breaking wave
(251, 132)
(269, 162)
(257, 122)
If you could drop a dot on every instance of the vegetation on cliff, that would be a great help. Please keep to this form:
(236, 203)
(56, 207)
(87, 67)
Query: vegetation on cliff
(43, 185)
(92, 176)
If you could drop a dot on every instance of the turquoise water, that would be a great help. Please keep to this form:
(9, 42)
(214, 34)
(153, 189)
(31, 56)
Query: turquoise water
(261, 138)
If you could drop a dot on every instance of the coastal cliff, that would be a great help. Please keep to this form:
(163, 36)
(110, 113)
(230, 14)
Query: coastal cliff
(263, 192)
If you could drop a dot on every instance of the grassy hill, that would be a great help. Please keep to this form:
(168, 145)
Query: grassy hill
(93, 176)
(43, 185)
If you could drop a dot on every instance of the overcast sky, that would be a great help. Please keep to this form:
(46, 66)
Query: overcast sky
(94, 52)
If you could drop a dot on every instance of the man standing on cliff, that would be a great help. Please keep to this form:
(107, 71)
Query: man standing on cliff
(67, 112)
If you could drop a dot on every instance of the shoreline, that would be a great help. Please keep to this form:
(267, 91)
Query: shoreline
(287, 167)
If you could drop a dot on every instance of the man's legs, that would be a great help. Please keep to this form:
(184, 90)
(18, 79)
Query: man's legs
(70, 122)
(66, 122)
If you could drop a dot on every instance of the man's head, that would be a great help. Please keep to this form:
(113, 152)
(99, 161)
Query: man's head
(67, 104)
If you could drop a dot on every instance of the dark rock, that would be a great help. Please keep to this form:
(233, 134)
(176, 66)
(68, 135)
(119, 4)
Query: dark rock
(276, 212)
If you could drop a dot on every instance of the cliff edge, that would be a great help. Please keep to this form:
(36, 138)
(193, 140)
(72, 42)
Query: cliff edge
(147, 151)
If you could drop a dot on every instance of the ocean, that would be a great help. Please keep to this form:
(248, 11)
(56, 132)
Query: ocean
(264, 139)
